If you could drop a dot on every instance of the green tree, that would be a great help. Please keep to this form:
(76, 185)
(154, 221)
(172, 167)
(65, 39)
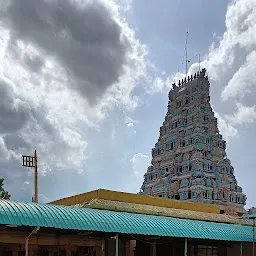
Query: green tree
(3, 193)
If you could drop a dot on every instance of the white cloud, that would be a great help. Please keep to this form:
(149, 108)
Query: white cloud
(243, 115)
(234, 58)
(128, 119)
(159, 84)
(230, 63)
(243, 81)
(228, 124)
(140, 163)
(226, 129)
(130, 124)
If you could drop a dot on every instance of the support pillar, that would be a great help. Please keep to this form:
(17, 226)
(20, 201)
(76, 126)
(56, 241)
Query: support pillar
(127, 248)
(103, 247)
(98, 250)
(241, 249)
(51, 251)
(186, 247)
(117, 244)
(68, 250)
(32, 250)
(15, 252)
(153, 249)
(106, 246)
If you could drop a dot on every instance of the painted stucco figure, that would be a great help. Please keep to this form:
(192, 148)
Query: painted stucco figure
(190, 151)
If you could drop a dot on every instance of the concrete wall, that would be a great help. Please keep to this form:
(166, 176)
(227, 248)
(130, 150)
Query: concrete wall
(137, 199)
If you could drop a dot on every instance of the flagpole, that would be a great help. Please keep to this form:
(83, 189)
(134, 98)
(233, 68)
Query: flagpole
(36, 178)
(31, 162)
(187, 54)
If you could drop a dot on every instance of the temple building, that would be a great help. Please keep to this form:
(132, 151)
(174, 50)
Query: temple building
(189, 160)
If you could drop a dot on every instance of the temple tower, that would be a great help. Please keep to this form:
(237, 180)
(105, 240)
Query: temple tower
(189, 160)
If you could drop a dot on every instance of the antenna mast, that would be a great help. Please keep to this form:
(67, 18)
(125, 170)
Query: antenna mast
(187, 54)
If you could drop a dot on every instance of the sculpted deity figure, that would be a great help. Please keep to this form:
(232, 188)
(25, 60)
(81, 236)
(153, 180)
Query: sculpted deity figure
(175, 186)
(198, 193)
(213, 183)
(202, 73)
(215, 194)
(208, 182)
(184, 183)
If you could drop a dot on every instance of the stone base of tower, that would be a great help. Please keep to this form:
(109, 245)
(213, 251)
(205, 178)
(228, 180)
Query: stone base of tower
(225, 208)
(232, 210)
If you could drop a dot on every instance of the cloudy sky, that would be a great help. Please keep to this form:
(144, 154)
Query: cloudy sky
(85, 82)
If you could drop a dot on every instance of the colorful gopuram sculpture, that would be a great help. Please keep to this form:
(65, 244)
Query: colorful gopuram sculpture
(189, 161)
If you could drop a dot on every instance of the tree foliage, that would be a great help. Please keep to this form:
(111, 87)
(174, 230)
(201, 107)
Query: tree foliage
(3, 193)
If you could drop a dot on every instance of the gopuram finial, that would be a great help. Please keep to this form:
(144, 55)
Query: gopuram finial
(179, 83)
(202, 73)
(188, 78)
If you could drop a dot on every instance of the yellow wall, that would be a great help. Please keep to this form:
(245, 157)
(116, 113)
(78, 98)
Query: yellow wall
(77, 199)
(136, 199)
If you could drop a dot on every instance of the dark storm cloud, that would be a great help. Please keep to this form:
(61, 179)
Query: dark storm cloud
(14, 112)
(15, 141)
(22, 129)
(84, 39)
(34, 63)
(16, 116)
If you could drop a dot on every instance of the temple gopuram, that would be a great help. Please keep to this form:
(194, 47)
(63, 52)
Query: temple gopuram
(189, 160)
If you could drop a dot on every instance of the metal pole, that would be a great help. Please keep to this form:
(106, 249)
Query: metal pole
(241, 249)
(117, 245)
(26, 246)
(36, 179)
(34, 231)
(186, 247)
(199, 61)
(187, 54)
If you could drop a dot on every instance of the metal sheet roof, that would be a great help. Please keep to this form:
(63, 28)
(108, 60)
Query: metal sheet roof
(250, 216)
(67, 217)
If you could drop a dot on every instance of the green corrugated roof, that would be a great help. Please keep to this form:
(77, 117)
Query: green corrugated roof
(67, 217)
